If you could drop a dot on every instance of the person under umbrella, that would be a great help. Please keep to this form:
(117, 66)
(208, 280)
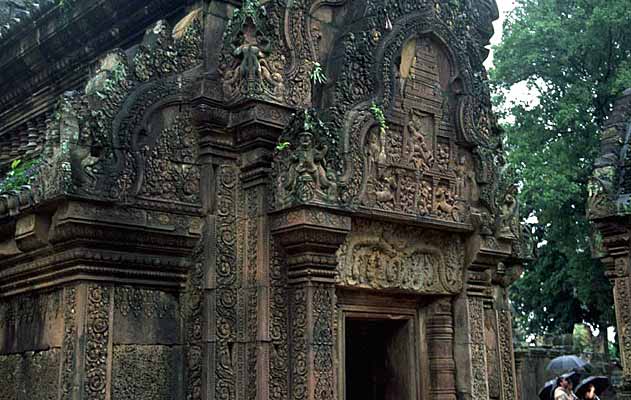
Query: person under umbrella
(565, 384)
(548, 388)
(592, 387)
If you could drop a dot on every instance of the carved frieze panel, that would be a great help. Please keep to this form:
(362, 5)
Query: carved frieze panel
(169, 169)
(387, 256)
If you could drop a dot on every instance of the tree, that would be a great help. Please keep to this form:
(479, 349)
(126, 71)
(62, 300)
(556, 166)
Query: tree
(575, 56)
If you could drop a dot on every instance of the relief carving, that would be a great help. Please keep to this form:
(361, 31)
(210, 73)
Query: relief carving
(420, 131)
(302, 170)
(378, 256)
(97, 336)
(479, 376)
(249, 70)
(509, 226)
(408, 162)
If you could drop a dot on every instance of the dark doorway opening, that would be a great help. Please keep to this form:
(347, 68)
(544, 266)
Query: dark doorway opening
(379, 356)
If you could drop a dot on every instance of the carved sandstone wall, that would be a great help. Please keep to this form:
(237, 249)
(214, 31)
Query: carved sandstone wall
(203, 208)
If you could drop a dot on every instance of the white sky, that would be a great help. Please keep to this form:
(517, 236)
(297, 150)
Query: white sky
(505, 7)
(519, 93)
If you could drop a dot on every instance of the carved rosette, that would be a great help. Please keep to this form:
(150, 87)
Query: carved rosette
(97, 341)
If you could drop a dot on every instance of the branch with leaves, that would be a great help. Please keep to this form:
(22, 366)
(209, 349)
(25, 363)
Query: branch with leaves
(379, 116)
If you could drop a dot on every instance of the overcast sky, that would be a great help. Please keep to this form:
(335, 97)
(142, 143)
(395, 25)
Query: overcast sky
(505, 7)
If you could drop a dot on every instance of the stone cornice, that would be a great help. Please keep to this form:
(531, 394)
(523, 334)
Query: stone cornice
(42, 52)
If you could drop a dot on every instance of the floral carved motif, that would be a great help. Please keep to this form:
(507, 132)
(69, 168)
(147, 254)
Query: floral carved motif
(98, 332)
(479, 376)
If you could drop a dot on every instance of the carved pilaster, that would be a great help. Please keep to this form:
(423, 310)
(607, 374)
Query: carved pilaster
(310, 237)
(484, 333)
(440, 334)
(615, 248)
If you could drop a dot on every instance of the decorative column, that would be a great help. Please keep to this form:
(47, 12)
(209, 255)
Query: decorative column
(440, 336)
(608, 209)
(503, 277)
(616, 243)
(483, 321)
(311, 236)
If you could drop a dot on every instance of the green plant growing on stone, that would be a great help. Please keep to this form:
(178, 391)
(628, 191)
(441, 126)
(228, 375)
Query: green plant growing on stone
(20, 174)
(317, 73)
(283, 145)
(378, 114)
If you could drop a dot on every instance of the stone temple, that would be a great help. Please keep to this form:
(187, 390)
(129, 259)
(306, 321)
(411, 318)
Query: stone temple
(227, 200)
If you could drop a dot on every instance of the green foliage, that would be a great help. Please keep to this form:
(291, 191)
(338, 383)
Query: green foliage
(317, 74)
(19, 174)
(583, 340)
(574, 56)
(379, 116)
(282, 146)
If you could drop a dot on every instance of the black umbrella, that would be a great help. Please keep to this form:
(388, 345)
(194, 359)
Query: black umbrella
(600, 383)
(546, 391)
(563, 364)
(573, 376)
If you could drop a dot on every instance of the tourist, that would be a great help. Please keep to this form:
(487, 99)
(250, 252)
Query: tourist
(590, 393)
(564, 389)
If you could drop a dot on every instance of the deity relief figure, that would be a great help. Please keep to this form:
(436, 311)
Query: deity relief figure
(419, 151)
(509, 214)
(381, 185)
(307, 178)
(446, 206)
(424, 203)
(374, 149)
(442, 157)
(251, 71)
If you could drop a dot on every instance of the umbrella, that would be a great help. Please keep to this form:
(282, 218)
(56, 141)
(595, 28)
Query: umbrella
(573, 376)
(562, 364)
(599, 382)
(546, 391)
